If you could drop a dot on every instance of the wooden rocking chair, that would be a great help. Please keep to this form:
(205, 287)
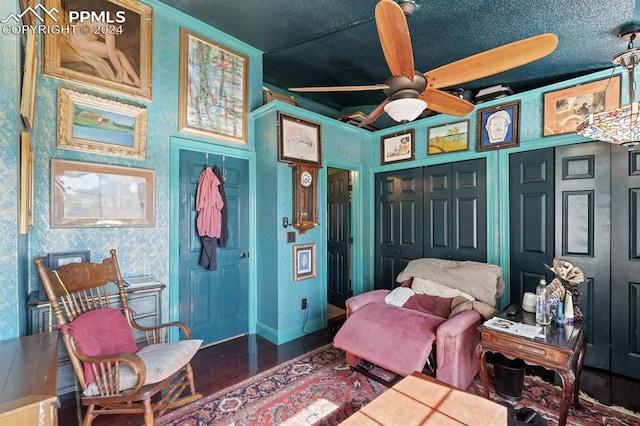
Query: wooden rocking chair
(116, 377)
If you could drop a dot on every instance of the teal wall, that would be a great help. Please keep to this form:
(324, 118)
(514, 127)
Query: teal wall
(275, 298)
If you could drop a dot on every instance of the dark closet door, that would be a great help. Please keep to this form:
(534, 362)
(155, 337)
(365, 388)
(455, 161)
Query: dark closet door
(399, 223)
(339, 237)
(582, 236)
(455, 221)
(531, 216)
(625, 262)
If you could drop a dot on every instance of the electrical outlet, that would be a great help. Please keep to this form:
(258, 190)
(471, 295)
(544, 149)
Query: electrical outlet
(303, 303)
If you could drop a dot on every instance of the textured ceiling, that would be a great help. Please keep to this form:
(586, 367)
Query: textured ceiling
(335, 42)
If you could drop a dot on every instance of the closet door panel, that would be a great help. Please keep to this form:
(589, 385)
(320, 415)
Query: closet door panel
(583, 225)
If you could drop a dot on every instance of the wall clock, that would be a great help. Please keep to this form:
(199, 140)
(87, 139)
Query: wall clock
(305, 192)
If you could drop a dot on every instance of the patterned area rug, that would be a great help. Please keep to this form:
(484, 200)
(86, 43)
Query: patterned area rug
(319, 389)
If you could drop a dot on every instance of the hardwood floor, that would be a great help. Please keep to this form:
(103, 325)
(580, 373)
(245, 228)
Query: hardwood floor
(225, 364)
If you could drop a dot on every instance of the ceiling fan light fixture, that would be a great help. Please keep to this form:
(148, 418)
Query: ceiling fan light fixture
(618, 126)
(405, 110)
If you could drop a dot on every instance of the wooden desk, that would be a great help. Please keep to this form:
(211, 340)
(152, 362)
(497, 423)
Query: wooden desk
(562, 350)
(419, 399)
(28, 367)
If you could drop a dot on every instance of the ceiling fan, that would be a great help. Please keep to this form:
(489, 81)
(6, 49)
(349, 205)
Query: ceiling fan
(409, 92)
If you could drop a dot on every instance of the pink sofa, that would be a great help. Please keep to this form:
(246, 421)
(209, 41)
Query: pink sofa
(400, 338)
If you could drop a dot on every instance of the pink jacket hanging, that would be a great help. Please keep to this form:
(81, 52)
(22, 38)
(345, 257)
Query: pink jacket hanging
(209, 205)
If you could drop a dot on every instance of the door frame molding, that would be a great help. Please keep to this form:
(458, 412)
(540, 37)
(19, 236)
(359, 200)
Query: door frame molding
(357, 213)
(176, 144)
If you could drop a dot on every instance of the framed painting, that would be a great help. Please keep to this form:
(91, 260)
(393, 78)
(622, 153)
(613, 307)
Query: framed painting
(566, 108)
(26, 184)
(213, 90)
(95, 124)
(114, 56)
(304, 260)
(100, 195)
(28, 97)
(298, 140)
(498, 127)
(450, 137)
(398, 147)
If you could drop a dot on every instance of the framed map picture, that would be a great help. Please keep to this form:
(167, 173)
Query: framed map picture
(213, 90)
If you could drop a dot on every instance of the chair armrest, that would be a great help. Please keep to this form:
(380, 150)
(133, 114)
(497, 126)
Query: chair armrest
(356, 302)
(105, 367)
(459, 324)
(160, 333)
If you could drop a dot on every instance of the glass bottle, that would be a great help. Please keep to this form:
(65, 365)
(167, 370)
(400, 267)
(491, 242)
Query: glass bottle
(543, 305)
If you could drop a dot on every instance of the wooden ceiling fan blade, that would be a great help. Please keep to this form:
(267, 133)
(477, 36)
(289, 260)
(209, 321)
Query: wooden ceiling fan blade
(339, 88)
(446, 103)
(373, 115)
(395, 39)
(492, 61)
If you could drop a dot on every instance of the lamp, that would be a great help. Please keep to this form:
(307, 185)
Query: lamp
(405, 110)
(619, 126)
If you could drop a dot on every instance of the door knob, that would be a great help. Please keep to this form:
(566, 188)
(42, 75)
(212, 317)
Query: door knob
(244, 255)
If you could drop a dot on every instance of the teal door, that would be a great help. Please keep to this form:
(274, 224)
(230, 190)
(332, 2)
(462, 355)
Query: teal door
(214, 303)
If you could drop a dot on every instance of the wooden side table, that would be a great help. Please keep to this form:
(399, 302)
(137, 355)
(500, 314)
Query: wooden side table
(562, 350)
(28, 367)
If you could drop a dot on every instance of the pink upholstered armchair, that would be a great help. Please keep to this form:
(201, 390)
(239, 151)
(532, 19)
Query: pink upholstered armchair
(401, 338)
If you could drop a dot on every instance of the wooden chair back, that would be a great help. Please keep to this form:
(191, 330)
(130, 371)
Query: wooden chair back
(77, 288)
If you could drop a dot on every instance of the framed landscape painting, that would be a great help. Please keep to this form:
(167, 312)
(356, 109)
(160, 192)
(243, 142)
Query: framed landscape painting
(101, 195)
(114, 56)
(105, 126)
(213, 90)
(448, 138)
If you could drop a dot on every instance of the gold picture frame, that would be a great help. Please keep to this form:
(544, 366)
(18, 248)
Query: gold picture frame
(450, 137)
(206, 70)
(304, 261)
(101, 195)
(29, 78)
(106, 126)
(26, 184)
(68, 56)
(564, 109)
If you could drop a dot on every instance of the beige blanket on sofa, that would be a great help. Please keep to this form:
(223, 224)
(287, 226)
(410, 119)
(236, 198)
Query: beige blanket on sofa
(481, 280)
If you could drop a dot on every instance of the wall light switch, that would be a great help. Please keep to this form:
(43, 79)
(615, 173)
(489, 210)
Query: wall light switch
(291, 237)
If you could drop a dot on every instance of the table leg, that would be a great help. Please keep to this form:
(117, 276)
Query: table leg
(581, 354)
(568, 383)
(481, 353)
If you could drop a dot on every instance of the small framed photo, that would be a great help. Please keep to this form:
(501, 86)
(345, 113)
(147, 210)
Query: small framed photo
(105, 126)
(55, 260)
(101, 195)
(398, 147)
(299, 140)
(498, 127)
(213, 90)
(566, 108)
(304, 261)
(451, 137)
